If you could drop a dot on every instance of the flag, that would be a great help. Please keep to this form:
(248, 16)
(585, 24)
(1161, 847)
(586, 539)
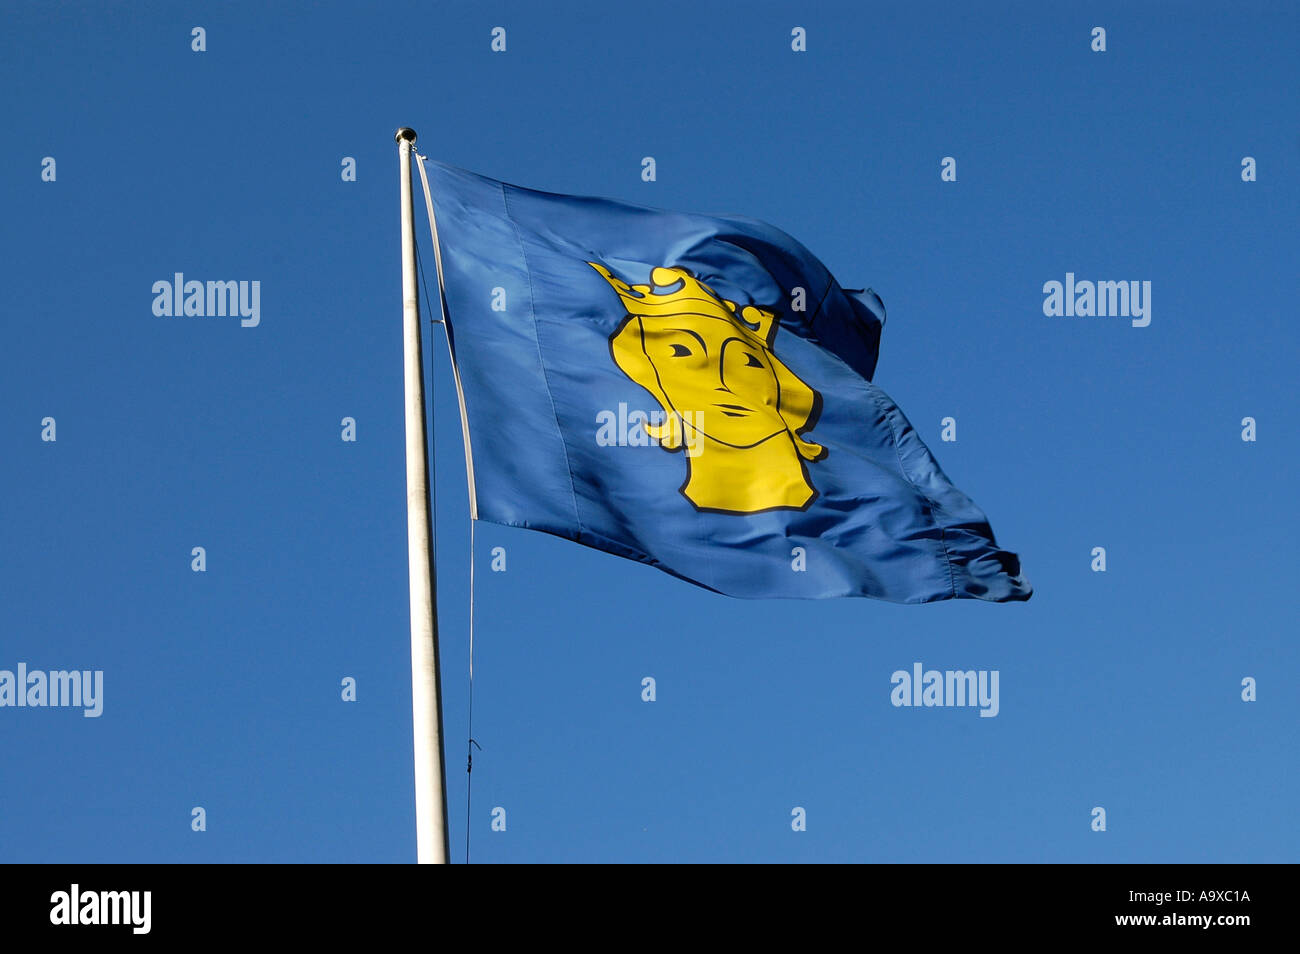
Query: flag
(693, 392)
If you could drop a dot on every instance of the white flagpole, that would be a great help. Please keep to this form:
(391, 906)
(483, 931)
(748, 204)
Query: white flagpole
(426, 688)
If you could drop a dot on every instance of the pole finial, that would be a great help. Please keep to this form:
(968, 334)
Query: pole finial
(406, 133)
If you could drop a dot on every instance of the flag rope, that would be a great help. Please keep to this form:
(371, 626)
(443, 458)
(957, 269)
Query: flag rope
(455, 370)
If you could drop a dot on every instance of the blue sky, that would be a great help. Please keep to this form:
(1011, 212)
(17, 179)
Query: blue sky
(222, 689)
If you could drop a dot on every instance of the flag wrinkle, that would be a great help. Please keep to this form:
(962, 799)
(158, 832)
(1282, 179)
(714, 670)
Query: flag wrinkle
(929, 502)
(537, 338)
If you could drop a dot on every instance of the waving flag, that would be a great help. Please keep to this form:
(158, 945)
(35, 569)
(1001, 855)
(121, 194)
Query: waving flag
(693, 392)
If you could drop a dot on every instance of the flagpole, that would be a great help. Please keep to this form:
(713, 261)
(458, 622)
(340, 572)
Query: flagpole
(426, 688)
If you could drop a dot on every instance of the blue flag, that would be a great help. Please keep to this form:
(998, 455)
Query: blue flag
(693, 392)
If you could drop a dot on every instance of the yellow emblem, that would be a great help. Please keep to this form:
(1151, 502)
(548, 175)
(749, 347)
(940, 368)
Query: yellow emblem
(730, 405)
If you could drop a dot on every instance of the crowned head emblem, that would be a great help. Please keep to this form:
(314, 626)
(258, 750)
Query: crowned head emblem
(729, 403)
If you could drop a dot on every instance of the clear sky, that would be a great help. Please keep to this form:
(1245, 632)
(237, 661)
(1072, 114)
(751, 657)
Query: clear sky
(222, 689)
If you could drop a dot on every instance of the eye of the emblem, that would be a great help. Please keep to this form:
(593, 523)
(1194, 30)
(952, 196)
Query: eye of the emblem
(751, 361)
(680, 351)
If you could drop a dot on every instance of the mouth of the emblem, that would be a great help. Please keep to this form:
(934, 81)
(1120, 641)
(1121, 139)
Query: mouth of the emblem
(735, 410)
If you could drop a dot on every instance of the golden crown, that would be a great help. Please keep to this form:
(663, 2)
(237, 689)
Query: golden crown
(687, 295)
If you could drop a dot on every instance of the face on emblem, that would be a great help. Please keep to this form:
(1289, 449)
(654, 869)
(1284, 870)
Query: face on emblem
(710, 365)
